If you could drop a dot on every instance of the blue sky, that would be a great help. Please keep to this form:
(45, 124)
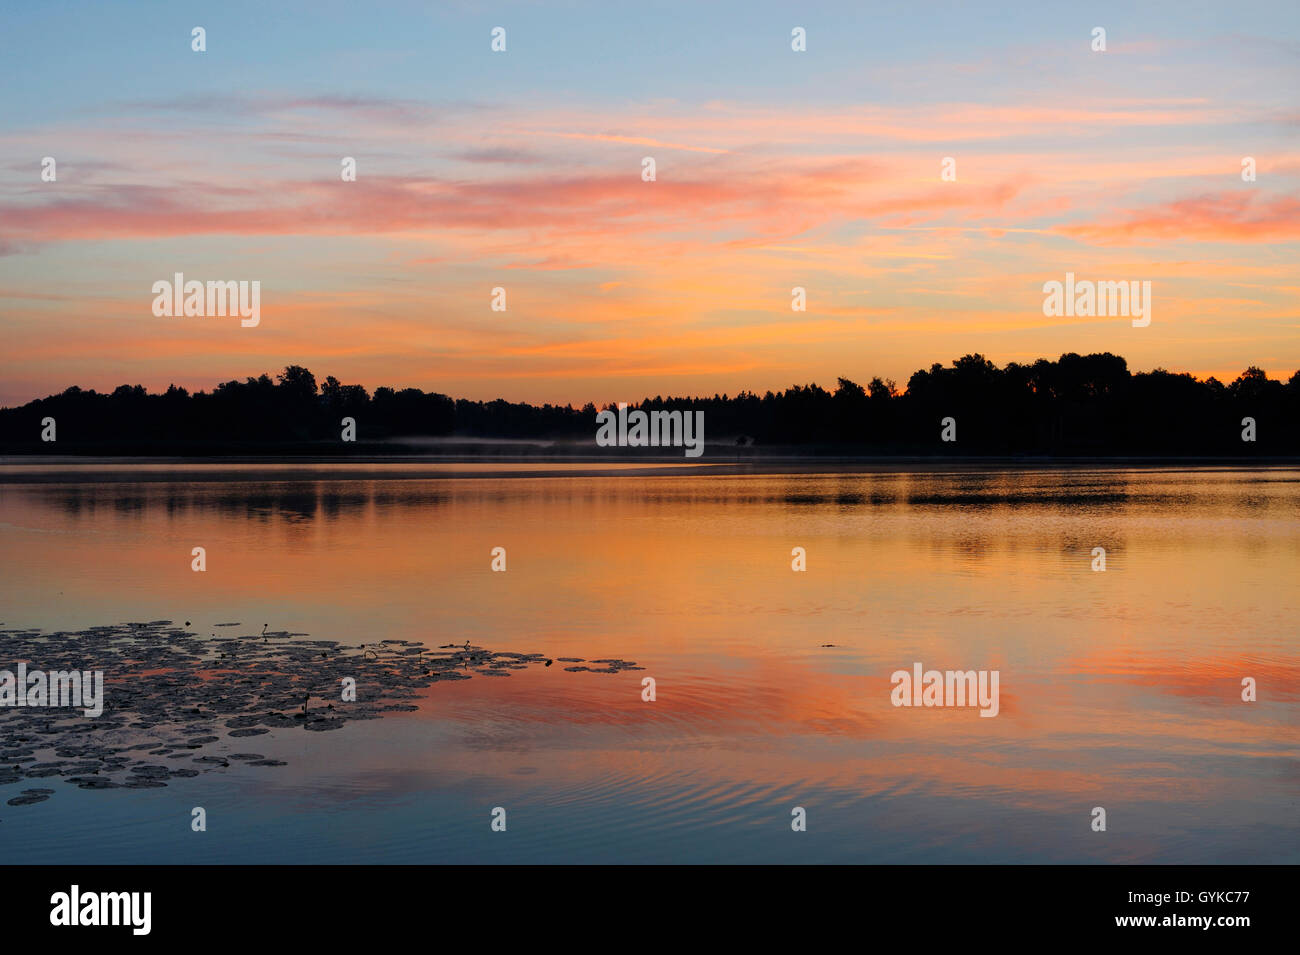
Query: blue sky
(522, 170)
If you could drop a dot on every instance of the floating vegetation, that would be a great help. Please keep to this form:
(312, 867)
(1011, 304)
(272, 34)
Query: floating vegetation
(610, 666)
(170, 694)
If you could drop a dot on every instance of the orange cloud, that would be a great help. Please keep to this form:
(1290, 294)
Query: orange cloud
(1227, 217)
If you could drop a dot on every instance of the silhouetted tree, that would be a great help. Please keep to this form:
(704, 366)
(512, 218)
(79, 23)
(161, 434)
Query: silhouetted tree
(1078, 404)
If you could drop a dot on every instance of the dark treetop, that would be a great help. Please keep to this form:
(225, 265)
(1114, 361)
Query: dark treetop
(1077, 405)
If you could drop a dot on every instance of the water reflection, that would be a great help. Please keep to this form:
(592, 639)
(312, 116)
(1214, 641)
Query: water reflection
(1119, 689)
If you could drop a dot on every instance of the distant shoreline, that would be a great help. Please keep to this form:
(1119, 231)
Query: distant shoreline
(1077, 407)
(49, 469)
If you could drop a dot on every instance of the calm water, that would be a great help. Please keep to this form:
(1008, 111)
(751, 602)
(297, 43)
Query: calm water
(1118, 689)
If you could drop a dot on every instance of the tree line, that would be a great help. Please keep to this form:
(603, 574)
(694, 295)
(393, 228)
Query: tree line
(1077, 404)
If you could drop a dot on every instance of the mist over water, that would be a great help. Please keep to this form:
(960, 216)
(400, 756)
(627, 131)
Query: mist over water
(1119, 689)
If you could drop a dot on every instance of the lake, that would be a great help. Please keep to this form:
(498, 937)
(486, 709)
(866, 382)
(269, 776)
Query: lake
(1119, 689)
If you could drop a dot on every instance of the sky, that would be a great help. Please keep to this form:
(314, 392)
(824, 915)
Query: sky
(523, 170)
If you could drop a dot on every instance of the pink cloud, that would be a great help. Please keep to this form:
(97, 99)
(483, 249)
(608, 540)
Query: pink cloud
(1226, 217)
